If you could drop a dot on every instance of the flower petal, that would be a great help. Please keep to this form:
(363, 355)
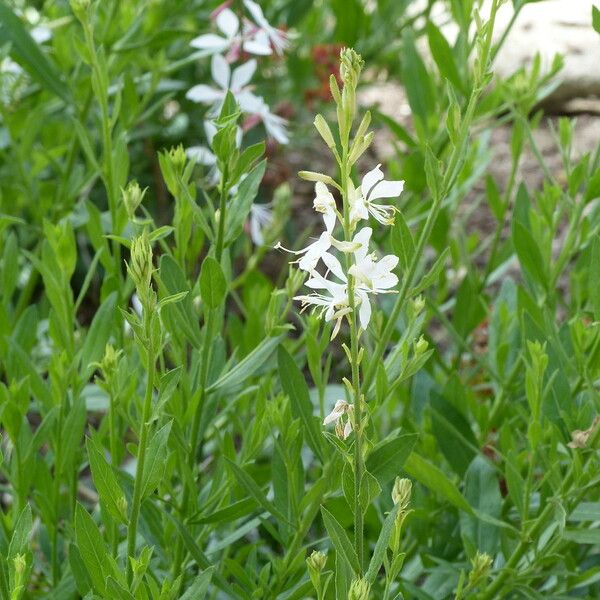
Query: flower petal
(210, 41)
(243, 74)
(364, 312)
(256, 11)
(228, 22)
(204, 94)
(220, 71)
(370, 179)
(386, 189)
(334, 265)
(259, 44)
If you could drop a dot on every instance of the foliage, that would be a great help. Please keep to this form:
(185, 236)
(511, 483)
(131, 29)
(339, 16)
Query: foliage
(164, 399)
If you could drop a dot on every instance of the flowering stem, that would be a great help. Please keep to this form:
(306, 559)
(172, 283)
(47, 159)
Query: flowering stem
(354, 361)
(222, 211)
(141, 457)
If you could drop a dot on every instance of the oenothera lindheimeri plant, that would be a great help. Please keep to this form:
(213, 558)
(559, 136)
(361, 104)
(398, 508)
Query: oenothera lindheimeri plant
(343, 292)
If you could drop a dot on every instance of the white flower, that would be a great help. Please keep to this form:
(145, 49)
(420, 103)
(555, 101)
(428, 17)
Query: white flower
(341, 409)
(261, 216)
(277, 37)
(227, 80)
(374, 187)
(274, 124)
(324, 203)
(374, 275)
(334, 303)
(313, 253)
(229, 24)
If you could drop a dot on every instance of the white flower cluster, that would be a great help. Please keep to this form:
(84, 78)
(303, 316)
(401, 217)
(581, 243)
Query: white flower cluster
(256, 37)
(370, 275)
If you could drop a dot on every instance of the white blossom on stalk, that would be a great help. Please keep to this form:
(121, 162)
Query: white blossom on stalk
(340, 410)
(277, 37)
(235, 81)
(253, 40)
(374, 187)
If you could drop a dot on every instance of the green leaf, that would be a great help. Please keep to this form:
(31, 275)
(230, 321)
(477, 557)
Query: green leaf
(199, 587)
(180, 315)
(248, 483)
(246, 367)
(419, 85)
(483, 494)
(596, 19)
(92, 549)
(453, 433)
(402, 241)
(213, 286)
(443, 56)
(386, 460)
(432, 275)
(111, 495)
(594, 277)
(382, 544)
(155, 460)
(529, 254)
(239, 208)
(98, 335)
(26, 51)
(294, 386)
(434, 478)
(340, 539)
(19, 542)
(582, 536)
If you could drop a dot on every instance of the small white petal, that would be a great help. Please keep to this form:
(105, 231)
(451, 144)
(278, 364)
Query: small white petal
(334, 265)
(370, 179)
(204, 94)
(242, 75)
(386, 189)
(228, 22)
(220, 71)
(364, 312)
(256, 11)
(210, 41)
(259, 44)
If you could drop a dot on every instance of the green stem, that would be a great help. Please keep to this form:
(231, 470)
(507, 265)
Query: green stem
(112, 437)
(359, 466)
(141, 458)
(56, 496)
(209, 325)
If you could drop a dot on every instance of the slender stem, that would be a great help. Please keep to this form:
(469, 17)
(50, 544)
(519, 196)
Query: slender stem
(209, 326)
(112, 437)
(141, 458)
(359, 466)
(56, 495)
(222, 214)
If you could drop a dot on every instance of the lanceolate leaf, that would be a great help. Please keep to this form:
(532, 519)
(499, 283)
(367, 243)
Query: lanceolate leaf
(28, 54)
(294, 385)
(386, 460)
(340, 539)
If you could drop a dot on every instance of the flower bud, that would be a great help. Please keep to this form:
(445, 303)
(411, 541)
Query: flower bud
(316, 561)
(140, 266)
(177, 156)
(418, 305)
(314, 176)
(351, 65)
(421, 346)
(481, 564)
(401, 493)
(360, 589)
(324, 130)
(133, 196)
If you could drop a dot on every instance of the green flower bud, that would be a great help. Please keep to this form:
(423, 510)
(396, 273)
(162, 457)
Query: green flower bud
(316, 561)
(360, 589)
(178, 158)
(140, 266)
(324, 130)
(421, 346)
(351, 65)
(481, 564)
(401, 493)
(133, 196)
